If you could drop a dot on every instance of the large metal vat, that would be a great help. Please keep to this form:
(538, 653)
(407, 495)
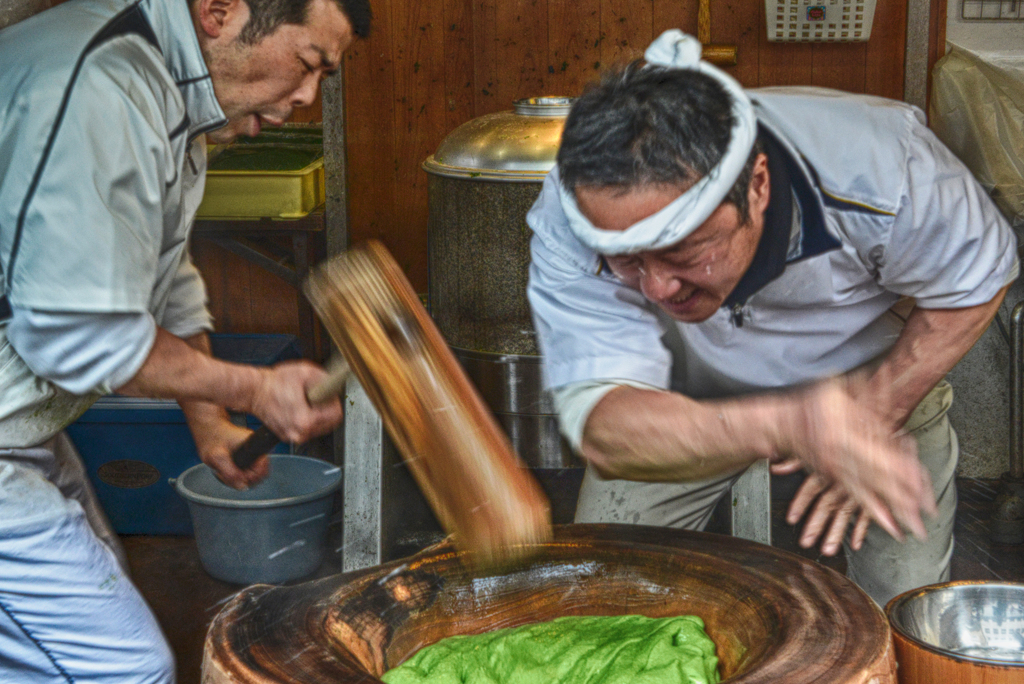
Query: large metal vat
(484, 178)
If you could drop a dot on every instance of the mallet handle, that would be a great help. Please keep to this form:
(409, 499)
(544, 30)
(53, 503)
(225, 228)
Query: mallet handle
(263, 440)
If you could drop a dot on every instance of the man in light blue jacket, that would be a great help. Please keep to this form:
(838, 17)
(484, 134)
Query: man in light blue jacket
(712, 281)
(105, 107)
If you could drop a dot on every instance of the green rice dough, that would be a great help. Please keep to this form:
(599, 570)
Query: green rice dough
(625, 649)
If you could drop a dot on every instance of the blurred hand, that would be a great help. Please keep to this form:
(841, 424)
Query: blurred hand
(833, 511)
(216, 441)
(280, 402)
(843, 442)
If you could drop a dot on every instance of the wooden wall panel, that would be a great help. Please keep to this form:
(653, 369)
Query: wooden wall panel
(486, 70)
(739, 23)
(420, 121)
(574, 45)
(521, 38)
(839, 65)
(458, 62)
(431, 65)
(884, 53)
(273, 304)
(627, 27)
(244, 298)
(227, 286)
(370, 129)
(782, 64)
(672, 14)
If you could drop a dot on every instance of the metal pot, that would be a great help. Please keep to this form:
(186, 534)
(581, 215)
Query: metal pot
(484, 178)
(964, 632)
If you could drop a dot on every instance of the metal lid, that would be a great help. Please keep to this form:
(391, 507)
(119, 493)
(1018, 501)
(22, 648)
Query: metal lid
(518, 146)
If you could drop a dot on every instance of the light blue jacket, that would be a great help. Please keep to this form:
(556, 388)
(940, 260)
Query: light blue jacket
(102, 165)
(884, 210)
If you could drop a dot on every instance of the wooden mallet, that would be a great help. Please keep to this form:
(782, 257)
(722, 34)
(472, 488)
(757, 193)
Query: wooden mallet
(474, 482)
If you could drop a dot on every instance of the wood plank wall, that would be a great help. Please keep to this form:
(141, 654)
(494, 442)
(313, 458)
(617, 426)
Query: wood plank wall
(431, 65)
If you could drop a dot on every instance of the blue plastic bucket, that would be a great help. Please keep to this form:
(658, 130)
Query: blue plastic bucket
(270, 533)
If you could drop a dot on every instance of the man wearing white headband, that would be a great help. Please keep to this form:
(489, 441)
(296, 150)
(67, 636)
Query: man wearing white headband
(712, 282)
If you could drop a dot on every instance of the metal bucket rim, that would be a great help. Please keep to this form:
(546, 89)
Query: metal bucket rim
(895, 622)
(214, 502)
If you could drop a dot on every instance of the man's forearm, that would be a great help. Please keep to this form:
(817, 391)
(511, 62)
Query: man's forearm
(176, 369)
(215, 435)
(932, 342)
(654, 436)
(650, 435)
(276, 395)
(201, 413)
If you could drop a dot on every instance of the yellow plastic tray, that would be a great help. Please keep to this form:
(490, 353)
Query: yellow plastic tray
(256, 194)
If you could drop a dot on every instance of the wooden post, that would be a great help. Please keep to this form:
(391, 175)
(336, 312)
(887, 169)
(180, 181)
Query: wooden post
(358, 444)
(752, 504)
(335, 164)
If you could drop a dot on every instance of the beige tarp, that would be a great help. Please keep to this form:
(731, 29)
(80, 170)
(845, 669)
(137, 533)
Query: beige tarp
(977, 109)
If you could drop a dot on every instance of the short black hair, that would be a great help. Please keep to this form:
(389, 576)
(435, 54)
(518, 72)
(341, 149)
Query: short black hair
(266, 15)
(650, 125)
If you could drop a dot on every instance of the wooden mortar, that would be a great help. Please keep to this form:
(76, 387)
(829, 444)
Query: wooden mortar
(774, 616)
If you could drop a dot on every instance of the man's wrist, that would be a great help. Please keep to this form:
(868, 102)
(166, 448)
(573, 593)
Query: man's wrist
(774, 421)
(199, 413)
(254, 383)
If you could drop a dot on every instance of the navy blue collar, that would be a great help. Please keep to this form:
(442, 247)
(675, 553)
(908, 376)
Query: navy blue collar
(786, 179)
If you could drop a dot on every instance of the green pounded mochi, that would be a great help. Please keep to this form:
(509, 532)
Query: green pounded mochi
(622, 649)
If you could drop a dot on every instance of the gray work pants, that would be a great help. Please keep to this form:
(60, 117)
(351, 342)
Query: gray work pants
(58, 462)
(883, 567)
(68, 611)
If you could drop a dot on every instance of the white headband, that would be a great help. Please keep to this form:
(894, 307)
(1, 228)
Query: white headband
(685, 214)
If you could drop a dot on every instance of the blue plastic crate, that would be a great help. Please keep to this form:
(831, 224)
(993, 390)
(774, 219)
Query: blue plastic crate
(131, 446)
(258, 350)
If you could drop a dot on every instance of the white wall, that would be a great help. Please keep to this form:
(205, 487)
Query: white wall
(982, 35)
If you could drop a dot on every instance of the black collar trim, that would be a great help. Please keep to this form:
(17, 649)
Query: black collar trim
(772, 255)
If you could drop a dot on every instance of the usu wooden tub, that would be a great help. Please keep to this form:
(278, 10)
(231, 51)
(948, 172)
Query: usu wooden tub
(774, 617)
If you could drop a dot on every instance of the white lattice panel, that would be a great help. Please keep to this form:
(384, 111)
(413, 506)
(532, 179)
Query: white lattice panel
(819, 20)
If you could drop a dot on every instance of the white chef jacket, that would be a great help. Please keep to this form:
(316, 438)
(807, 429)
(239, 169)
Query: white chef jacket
(102, 167)
(881, 210)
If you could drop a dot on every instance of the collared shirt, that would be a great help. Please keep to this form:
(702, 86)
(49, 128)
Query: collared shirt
(884, 211)
(102, 167)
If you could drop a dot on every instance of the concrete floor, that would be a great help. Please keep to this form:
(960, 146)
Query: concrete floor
(184, 598)
(168, 573)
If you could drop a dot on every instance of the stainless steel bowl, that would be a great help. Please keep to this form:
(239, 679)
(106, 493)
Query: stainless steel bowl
(981, 622)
